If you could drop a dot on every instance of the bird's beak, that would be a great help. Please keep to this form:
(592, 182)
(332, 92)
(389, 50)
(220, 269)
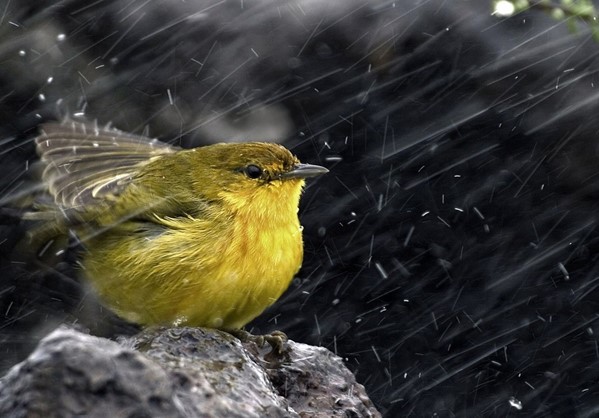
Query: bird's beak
(302, 171)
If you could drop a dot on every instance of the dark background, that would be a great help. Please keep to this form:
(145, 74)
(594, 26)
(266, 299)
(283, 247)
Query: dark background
(451, 252)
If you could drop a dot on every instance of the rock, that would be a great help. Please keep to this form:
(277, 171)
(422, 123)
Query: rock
(178, 372)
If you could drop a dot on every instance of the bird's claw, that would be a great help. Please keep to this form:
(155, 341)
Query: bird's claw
(276, 339)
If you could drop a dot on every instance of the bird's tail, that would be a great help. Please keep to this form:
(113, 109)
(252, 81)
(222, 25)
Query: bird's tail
(43, 239)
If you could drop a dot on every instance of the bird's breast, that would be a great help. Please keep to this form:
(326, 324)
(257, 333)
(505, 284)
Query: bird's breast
(263, 260)
(269, 250)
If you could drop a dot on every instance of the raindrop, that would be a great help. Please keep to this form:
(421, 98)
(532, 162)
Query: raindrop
(515, 403)
(504, 8)
(381, 270)
(562, 268)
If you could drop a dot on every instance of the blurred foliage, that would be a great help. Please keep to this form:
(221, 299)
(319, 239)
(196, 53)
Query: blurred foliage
(572, 11)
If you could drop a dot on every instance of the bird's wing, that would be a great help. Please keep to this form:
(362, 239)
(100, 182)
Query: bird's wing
(85, 165)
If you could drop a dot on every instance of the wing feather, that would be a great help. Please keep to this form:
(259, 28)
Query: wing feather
(87, 165)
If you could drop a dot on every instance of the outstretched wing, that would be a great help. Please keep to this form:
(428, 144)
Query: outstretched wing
(85, 165)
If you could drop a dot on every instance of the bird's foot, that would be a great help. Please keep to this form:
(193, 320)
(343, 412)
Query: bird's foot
(276, 339)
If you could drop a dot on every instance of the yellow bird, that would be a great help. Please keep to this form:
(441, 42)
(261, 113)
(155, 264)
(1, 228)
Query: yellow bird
(205, 237)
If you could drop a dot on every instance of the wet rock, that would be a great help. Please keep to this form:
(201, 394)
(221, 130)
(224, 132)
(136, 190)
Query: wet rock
(179, 372)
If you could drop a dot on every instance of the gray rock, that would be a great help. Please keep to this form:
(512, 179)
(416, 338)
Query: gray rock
(178, 372)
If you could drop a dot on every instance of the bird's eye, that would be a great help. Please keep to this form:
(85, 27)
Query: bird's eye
(253, 171)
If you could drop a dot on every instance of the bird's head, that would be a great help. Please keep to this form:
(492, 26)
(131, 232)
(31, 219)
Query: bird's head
(256, 177)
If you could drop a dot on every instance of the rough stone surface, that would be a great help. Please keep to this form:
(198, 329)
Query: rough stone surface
(315, 382)
(179, 372)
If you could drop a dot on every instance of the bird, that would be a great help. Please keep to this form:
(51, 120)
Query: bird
(203, 237)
